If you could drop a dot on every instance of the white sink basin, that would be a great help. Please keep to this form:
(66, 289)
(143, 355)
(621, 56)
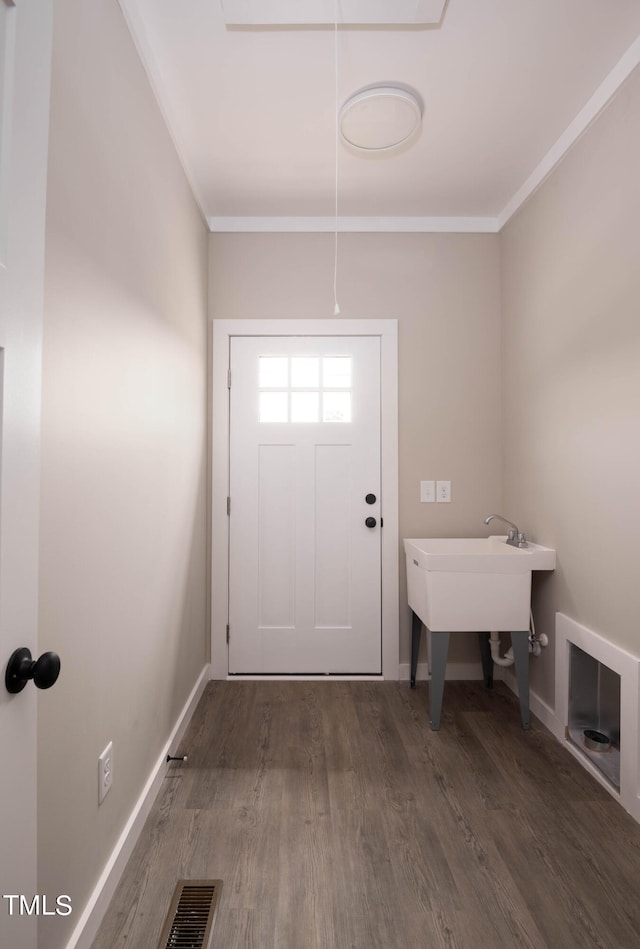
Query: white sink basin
(473, 584)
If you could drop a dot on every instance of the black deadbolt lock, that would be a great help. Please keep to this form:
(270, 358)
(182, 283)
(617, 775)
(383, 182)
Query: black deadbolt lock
(370, 499)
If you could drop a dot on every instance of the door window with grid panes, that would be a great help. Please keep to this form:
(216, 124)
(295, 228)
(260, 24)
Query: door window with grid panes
(303, 389)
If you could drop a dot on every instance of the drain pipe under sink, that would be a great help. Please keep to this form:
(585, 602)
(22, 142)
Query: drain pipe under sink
(535, 645)
(494, 642)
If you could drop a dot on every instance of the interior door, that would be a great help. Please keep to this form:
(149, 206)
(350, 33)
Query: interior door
(305, 506)
(25, 46)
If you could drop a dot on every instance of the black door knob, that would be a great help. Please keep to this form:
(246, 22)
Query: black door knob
(370, 522)
(370, 499)
(22, 667)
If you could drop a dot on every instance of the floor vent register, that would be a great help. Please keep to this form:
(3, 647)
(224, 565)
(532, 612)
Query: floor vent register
(191, 915)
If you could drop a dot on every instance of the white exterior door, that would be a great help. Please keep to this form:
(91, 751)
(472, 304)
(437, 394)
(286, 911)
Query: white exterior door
(305, 507)
(25, 48)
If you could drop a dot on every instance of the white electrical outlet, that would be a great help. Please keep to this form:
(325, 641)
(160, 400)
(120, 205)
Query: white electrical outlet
(443, 490)
(105, 772)
(427, 491)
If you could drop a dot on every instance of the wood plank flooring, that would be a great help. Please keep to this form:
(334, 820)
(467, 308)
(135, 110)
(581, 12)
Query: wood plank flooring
(337, 820)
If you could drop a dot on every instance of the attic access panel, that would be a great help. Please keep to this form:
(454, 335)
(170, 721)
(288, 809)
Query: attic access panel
(323, 12)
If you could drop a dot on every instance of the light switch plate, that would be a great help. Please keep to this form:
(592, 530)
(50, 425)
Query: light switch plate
(427, 491)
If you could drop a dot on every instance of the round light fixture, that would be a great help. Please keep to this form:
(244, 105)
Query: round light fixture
(380, 118)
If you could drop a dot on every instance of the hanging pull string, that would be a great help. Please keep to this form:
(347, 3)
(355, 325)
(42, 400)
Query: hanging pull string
(336, 307)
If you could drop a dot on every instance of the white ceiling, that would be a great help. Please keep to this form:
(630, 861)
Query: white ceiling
(507, 86)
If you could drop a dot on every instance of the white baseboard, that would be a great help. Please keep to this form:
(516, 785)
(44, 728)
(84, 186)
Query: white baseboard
(459, 671)
(537, 705)
(422, 673)
(455, 671)
(93, 913)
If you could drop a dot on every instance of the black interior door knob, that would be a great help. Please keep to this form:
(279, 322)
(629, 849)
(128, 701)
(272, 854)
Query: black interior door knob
(370, 522)
(47, 670)
(22, 667)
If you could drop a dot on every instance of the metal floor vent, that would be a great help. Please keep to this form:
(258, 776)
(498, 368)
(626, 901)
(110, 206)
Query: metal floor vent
(189, 922)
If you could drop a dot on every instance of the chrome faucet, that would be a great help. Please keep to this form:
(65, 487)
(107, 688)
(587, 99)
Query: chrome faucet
(515, 537)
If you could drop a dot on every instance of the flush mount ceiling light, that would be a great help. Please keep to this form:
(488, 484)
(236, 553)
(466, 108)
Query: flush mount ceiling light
(380, 118)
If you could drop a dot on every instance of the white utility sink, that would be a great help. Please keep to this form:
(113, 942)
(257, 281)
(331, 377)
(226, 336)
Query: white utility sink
(473, 584)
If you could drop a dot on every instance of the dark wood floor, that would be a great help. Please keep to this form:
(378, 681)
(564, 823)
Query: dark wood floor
(337, 820)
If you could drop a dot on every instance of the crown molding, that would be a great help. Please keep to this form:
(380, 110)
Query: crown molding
(353, 225)
(491, 225)
(138, 31)
(603, 95)
(605, 92)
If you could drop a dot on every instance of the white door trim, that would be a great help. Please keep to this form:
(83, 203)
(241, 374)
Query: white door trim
(222, 331)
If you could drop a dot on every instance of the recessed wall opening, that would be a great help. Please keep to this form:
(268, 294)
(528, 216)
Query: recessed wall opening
(594, 712)
(598, 692)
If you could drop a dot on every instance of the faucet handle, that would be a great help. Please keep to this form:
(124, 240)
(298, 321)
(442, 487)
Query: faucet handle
(522, 540)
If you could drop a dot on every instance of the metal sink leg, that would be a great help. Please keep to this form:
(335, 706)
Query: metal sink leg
(439, 652)
(520, 644)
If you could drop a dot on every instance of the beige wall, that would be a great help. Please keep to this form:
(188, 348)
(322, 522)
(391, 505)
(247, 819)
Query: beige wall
(123, 532)
(571, 364)
(444, 291)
